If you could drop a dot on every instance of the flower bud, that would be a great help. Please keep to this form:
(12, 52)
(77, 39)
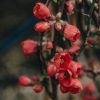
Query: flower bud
(35, 78)
(76, 86)
(69, 7)
(29, 46)
(49, 45)
(51, 69)
(71, 32)
(41, 11)
(25, 81)
(90, 87)
(37, 88)
(42, 26)
(89, 92)
(90, 40)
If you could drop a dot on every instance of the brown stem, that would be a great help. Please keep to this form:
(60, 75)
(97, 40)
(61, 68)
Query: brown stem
(54, 88)
(88, 28)
(47, 2)
(44, 66)
(54, 39)
(95, 74)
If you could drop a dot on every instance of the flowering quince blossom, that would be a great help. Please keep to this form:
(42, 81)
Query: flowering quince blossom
(76, 86)
(90, 40)
(51, 69)
(69, 7)
(69, 84)
(61, 60)
(29, 46)
(49, 45)
(37, 88)
(75, 67)
(57, 63)
(63, 89)
(71, 32)
(90, 87)
(67, 72)
(89, 92)
(41, 11)
(64, 78)
(35, 78)
(25, 81)
(42, 26)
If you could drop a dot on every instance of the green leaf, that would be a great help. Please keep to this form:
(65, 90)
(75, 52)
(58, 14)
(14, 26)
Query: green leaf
(92, 34)
(47, 54)
(55, 1)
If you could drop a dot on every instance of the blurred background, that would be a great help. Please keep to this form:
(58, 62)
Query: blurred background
(16, 25)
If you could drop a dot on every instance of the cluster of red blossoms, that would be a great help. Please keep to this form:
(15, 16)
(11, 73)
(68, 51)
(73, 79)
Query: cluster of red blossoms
(62, 65)
(66, 71)
(41, 11)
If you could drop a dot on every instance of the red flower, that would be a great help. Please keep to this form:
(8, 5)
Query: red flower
(90, 40)
(41, 11)
(74, 67)
(63, 89)
(64, 79)
(71, 32)
(90, 88)
(63, 75)
(69, 84)
(25, 81)
(90, 92)
(42, 26)
(69, 7)
(76, 86)
(61, 60)
(49, 45)
(73, 49)
(37, 88)
(51, 69)
(58, 26)
(67, 71)
(35, 78)
(29, 46)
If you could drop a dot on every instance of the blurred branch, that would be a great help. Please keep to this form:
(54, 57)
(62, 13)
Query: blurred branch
(95, 74)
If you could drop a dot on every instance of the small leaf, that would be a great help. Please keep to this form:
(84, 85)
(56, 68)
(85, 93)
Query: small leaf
(47, 54)
(92, 34)
(55, 1)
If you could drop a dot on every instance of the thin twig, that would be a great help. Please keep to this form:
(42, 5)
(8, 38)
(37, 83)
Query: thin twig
(88, 28)
(47, 2)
